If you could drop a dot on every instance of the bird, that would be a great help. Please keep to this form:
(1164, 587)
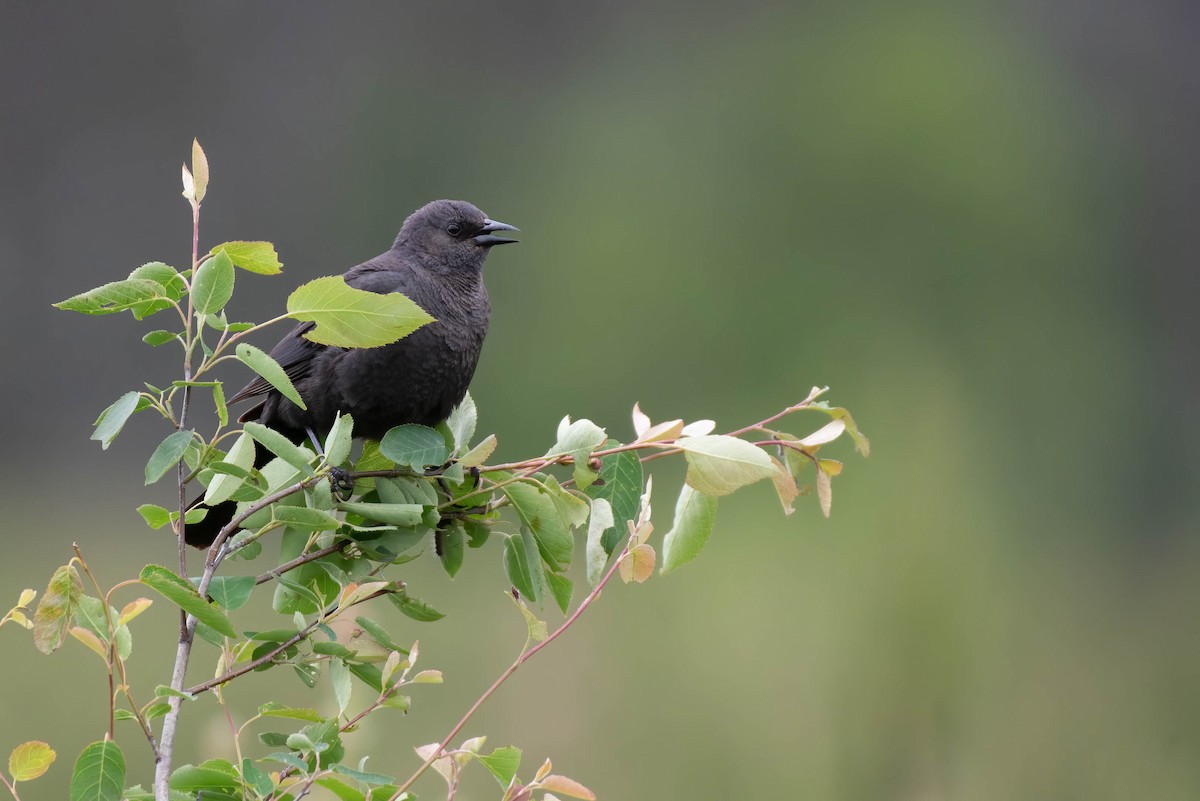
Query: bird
(436, 261)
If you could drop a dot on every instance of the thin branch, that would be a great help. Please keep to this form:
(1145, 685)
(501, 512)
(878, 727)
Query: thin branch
(525, 656)
(299, 636)
(304, 559)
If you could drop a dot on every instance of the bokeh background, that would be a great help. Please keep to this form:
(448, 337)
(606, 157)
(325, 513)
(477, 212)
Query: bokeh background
(975, 221)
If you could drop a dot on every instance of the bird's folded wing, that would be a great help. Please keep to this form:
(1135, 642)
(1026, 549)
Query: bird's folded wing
(294, 354)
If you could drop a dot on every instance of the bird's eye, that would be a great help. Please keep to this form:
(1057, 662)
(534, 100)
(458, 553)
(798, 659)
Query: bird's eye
(454, 229)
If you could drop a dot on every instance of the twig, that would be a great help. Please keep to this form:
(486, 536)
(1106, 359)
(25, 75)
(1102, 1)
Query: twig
(522, 659)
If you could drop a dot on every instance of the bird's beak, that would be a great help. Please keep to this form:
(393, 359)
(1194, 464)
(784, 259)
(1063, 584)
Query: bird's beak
(485, 237)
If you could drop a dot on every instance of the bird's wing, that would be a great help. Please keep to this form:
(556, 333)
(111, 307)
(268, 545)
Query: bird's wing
(294, 354)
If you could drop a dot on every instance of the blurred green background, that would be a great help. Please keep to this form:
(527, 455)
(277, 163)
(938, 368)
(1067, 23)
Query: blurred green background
(975, 222)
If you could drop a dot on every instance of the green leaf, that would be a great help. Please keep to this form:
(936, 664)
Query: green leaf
(304, 518)
(479, 454)
(196, 778)
(167, 455)
(181, 593)
(231, 592)
(694, 513)
(621, 474)
(56, 609)
(600, 521)
(213, 285)
(272, 709)
(262, 363)
(160, 337)
(579, 439)
(415, 608)
(99, 773)
(414, 445)
(224, 484)
(503, 763)
(561, 588)
(379, 634)
(254, 257)
(115, 297)
(339, 677)
(396, 514)
(219, 401)
(452, 549)
(337, 444)
(461, 423)
(407, 489)
(718, 464)
(539, 513)
(352, 318)
(516, 565)
(372, 779)
(30, 760)
(112, 419)
(258, 779)
(163, 274)
(155, 516)
(281, 446)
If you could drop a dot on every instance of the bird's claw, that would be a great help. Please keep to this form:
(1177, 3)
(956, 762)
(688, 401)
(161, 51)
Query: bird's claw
(342, 483)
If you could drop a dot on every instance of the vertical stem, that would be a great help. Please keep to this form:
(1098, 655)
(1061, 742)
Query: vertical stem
(187, 626)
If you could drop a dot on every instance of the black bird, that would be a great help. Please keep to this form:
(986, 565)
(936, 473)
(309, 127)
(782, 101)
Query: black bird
(437, 261)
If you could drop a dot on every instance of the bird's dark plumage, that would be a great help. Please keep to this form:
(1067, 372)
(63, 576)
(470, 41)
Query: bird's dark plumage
(437, 261)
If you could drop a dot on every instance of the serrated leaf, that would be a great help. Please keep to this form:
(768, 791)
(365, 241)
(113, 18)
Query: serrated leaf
(638, 564)
(339, 440)
(452, 548)
(414, 445)
(155, 516)
(113, 419)
(579, 439)
(461, 423)
(99, 773)
(517, 567)
(415, 608)
(30, 760)
(181, 593)
(167, 455)
(254, 257)
(281, 446)
(339, 677)
(160, 337)
(212, 286)
(225, 484)
(262, 363)
(114, 297)
(694, 514)
(231, 592)
(544, 520)
(479, 454)
(258, 779)
(396, 514)
(718, 464)
(561, 588)
(502, 763)
(203, 779)
(301, 517)
(56, 608)
(352, 318)
(621, 474)
(133, 609)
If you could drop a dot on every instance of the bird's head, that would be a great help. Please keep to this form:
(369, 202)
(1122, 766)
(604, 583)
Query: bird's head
(451, 234)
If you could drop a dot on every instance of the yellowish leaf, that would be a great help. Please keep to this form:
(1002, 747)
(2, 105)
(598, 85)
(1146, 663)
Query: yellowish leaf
(638, 564)
(199, 170)
(30, 760)
(824, 492)
(133, 609)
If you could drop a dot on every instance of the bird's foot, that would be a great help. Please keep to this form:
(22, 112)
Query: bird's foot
(342, 483)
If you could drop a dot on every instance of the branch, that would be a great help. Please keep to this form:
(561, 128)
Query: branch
(522, 659)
